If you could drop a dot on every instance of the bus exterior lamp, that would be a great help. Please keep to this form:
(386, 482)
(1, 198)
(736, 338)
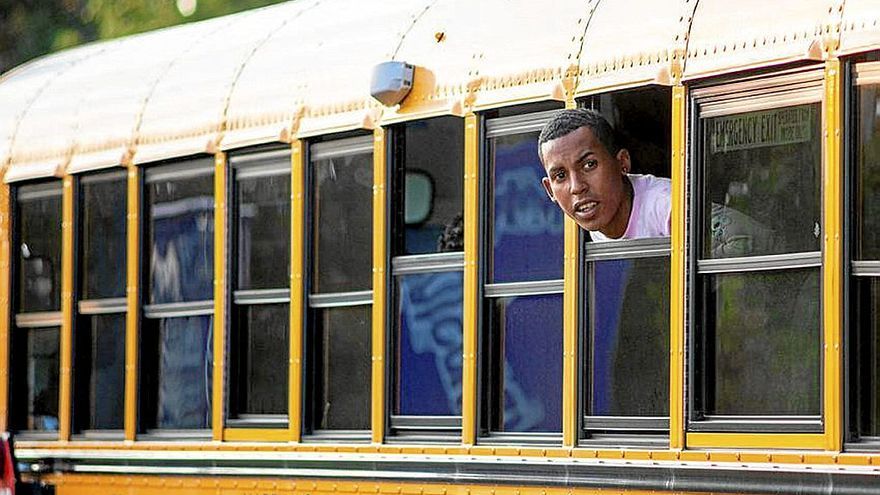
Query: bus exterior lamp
(391, 82)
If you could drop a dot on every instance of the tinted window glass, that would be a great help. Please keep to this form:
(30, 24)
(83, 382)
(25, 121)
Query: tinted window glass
(100, 355)
(180, 215)
(527, 228)
(261, 361)
(432, 154)
(527, 388)
(428, 366)
(865, 369)
(177, 373)
(342, 364)
(629, 362)
(42, 377)
(39, 247)
(264, 232)
(103, 236)
(867, 205)
(763, 179)
(763, 344)
(343, 222)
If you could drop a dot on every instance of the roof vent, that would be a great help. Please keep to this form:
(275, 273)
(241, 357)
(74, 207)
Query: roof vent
(391, 82)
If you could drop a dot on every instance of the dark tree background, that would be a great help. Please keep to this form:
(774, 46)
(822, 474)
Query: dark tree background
(30, 28)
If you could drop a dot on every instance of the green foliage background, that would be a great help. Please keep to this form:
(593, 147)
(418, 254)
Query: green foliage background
(30, 28)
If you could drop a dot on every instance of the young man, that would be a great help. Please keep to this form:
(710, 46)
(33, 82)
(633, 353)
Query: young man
(588, 177)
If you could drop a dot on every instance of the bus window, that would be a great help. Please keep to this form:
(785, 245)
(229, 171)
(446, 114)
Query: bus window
(522, 331)
(864, 338)
(757, 336)
(35, 357)
(176, 338)
(427, 268)
(99, 350)
(259, 337)
(625, 318)
(338, 337)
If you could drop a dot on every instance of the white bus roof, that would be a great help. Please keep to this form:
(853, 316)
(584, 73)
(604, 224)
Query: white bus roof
(303, 68)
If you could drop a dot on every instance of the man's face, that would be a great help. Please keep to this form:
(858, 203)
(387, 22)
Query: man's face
(587, 182)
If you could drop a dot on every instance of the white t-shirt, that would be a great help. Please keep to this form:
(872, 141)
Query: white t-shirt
(651, 209)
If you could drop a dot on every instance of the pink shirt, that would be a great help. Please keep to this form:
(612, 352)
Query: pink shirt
(651, 209)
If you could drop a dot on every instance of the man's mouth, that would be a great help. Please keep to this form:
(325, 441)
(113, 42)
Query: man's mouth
(585, 207)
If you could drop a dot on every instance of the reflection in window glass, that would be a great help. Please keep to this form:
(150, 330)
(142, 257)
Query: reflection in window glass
(763, 178)
(42, 377)
(867, 207)
(432, 154)
(527, 388)
(429, 338)
(180, 216)
(261, 374)
(176, 375)
(527, 229)
(865, 367)
(865, 335)
(342, 357)
(100, 353)
(629, 342)
(763, 343)
(263, 232)
(39, 247)
(103, 236)
(343, 222)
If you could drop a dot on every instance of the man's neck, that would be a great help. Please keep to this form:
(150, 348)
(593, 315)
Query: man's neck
(618, 226)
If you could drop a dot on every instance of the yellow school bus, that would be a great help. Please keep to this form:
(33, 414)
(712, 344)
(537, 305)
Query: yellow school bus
(305, 250)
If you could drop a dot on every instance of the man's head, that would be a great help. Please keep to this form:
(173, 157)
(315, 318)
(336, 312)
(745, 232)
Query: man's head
(586, 171)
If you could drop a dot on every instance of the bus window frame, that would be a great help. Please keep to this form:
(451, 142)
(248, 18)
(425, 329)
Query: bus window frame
(641, 430)
(400, 427)
(151, 314)
(856, 73)
(651, 431)
(272, 160)
(729, 96)
(314, 150)
(511, 122)
(83, 307)
(30, 319)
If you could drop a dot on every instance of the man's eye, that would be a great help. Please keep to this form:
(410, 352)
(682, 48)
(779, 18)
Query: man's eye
(591, 164)
(558, 176)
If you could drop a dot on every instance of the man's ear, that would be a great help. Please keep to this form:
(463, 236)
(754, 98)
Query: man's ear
(624, 160)
(545, 181)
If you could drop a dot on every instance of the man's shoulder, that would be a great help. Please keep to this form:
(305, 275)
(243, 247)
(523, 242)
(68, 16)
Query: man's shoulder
(654, 191)
(654, 205)
(650, 182)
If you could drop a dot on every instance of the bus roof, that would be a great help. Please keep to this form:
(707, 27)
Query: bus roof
(303, 68)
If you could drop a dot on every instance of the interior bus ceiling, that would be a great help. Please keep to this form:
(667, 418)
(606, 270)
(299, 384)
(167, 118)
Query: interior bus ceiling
(303, 68)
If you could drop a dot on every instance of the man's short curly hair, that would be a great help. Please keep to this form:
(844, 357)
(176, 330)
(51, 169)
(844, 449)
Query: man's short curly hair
(570, 120)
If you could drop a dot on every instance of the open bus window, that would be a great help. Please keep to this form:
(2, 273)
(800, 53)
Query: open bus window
(522, 331)
(99, 349)
(625, 298)
(864, 337)
(427, 262)
(35, 364)
(757, 339)
(339, 329)
(177, 352)
(259, 334)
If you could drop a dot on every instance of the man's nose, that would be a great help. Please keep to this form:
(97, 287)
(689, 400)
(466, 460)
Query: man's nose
(577, 184)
